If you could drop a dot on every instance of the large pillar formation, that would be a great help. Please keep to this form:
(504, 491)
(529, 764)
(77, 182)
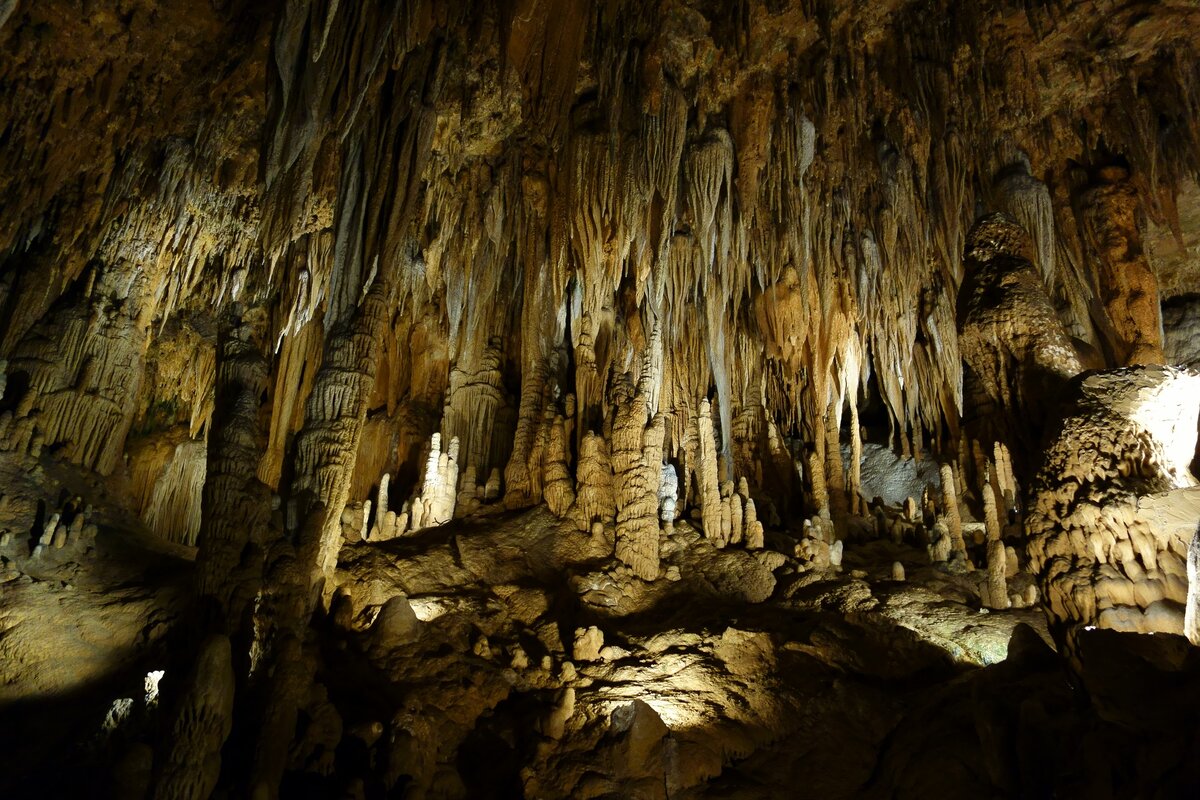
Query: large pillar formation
(325, 454)
(235, 504)
(1018, 351)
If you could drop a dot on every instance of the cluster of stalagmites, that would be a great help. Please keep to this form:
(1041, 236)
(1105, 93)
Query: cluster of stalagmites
(621, 491)
(942, 523)
(71, 528)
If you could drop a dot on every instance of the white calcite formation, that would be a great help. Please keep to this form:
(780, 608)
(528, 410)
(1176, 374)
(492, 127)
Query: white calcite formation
(434, 503)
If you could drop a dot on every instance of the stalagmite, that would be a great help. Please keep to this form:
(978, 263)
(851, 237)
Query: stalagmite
(857, 503)
(668, 495)
(951, 510)
(942, 544)
(835, 553)
(559, 489)
(491, 489)
(637, 504)
(754, 528)
(1004, 476)
(434, 503)
(593, 482)
(736, 526)
(366, 531)
(835, 474)
(997, 560)
(710, 493)
(381, 498)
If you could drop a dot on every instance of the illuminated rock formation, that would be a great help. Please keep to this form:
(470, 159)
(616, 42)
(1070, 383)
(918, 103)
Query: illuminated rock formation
(434, 503)
(1115, 505)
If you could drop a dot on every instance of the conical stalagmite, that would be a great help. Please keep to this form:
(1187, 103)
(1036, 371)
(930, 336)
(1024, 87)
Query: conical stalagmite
(593, 483)
(559, 489)
(997, 559)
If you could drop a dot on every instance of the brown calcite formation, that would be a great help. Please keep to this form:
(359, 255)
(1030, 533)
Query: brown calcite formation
(1009, 333)
(594, 501)
(1111, 210)
(1115, 506)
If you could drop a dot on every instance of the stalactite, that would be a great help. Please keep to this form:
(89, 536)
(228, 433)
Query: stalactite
(1028, 201)
(472, 405)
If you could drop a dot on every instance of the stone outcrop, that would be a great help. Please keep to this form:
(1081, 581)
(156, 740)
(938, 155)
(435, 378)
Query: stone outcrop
(1115, 504)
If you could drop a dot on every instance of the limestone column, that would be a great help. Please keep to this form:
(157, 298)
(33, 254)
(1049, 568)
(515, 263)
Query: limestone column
(325, 453)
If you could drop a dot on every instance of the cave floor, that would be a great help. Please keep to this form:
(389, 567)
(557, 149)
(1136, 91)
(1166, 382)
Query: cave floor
(516, 643)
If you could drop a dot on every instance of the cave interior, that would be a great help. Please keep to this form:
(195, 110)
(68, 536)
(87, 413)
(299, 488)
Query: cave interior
(599, 399)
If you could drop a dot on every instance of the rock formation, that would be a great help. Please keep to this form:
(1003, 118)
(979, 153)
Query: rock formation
(1115, 503)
